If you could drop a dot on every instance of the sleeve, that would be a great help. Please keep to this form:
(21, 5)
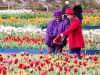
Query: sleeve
(66, 24)
(47, 37)
(73, 26)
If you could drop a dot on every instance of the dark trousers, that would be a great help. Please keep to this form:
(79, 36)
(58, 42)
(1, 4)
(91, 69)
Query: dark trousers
(54, 49)
(75, 51)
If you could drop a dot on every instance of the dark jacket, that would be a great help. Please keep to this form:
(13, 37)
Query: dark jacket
(64, 8)
(63, 11)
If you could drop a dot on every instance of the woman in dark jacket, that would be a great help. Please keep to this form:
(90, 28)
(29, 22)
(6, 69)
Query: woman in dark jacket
(67, 3)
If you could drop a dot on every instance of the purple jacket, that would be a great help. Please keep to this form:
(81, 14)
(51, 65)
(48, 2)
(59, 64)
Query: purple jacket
(54, 29)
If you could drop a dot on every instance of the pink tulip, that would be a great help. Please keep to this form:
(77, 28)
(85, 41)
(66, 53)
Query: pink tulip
(22, 53)
(75, 55)
(83, 71)
(75, 70)
(10, 62)
(31, 64)
(75, 61)
(43, 73)
(41, 51)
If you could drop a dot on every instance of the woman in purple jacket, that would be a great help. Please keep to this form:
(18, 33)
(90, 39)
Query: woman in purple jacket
(54, 28)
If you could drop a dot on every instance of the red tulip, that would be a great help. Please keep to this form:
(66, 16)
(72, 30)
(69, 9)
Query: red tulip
(84, 63)
(95, 58)
(1, 59)
(80, 62)
(57, 64)
(60, 68)
(65, 69)
(75, 70)
(24, 67)
(20, 66)
(31, 64)
(9, 62)
(47, 61)
(66, 59)
(16, 61)
(42, 64)
(39, 68)
(51, 68)
(4, 71)
(14, 55)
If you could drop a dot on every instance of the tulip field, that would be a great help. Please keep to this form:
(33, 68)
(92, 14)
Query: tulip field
(65, 64)
(25, 29)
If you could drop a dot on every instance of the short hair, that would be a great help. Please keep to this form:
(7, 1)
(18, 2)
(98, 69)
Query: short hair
(67, 2)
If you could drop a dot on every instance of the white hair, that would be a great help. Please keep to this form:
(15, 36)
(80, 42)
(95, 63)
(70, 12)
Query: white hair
(67, 2)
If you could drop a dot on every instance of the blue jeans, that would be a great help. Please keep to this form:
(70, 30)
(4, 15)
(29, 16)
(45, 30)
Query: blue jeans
(75, 51)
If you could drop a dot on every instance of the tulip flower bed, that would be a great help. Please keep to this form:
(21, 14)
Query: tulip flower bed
(91, 20)
(22, 40)
(60, 64)
(37, 40)
(25, 15)
(92, 41)
(41, 20)
(38, 22)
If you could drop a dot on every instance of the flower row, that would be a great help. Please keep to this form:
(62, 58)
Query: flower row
(37, 40)
(28, 64)
(43, 21)
(91, 20)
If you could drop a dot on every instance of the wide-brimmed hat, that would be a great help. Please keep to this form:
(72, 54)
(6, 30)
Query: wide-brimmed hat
(69, 11)
(57, 13)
